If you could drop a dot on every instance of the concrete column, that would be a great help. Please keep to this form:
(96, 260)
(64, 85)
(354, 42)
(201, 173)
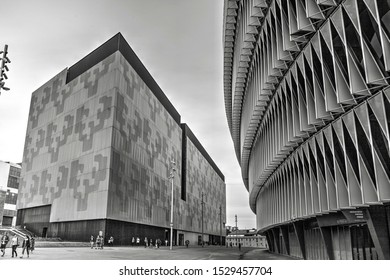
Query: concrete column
(299, 231)
(275, 233)
(286, 239)
(327, 238)
(378, 227)
(273, 240)
(269, 241)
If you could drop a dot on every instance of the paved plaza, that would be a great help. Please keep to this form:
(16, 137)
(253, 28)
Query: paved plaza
(141, 253)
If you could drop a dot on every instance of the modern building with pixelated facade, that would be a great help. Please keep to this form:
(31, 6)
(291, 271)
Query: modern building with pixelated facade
(9, 188)
(307, 101)
(100, 140)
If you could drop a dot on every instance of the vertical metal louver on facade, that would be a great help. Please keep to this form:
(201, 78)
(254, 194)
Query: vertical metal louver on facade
(308, 104)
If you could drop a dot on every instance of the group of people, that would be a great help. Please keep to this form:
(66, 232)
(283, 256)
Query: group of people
(231, 245)
(147, 242)
(98, 243)
(28, 244)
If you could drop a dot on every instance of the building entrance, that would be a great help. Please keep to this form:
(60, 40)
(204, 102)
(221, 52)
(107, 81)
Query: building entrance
(362, 246)
(181, 239)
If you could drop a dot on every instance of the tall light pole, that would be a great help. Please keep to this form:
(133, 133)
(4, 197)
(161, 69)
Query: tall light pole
(202, 220)
(220, 225)
(172, 176)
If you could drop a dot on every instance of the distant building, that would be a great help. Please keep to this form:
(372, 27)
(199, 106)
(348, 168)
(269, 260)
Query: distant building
(100, 140)
(307, 101)
(9, 185)
(247, 238)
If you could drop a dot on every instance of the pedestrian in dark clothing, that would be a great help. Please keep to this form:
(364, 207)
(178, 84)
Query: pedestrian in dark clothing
(101, 242)
(158, 243)
(4, 241)
(97, 243)
(146, 242)
(26, 246)
(91, 241)
(14, 244)
(239, 246)
(32, 244)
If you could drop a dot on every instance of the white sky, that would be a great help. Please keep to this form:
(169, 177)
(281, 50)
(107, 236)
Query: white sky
(178, 41)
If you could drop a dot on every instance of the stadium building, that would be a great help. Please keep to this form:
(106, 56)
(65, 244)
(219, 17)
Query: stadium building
(100, 140)
(307, 101)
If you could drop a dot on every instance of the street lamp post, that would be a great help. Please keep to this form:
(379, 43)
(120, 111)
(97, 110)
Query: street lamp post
(172, 176)
(3, 68)
(220, 225)
(202, 220)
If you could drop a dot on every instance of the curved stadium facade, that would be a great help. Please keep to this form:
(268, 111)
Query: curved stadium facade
(307, 100)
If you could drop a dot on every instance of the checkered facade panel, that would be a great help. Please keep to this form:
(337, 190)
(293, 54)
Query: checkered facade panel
(101, 146)
(306, 94)
(68, 144)
(145, 140)
(201, 177)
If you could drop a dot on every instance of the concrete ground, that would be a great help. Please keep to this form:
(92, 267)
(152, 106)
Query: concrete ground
(141, 253)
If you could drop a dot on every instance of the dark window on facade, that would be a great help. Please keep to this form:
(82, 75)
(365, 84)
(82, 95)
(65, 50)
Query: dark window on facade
(11, 198)
(13, 182)
(14, 171)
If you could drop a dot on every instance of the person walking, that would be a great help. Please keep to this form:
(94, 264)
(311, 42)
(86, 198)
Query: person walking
(132, 241)
(111, 241)
(91, 241)
(146, 242)
(26, 246)
(14, 244)
(101, 242)
(239, 246)
(4, 241)
(97, 243)
(158, 243)
(138, 240)
(32, 244)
